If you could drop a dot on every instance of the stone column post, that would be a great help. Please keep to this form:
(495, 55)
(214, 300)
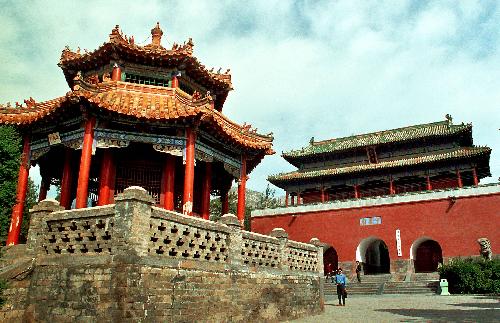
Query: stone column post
(321, 276)
(38, 215)
(235, 239)
(131, 222)
(282, 235)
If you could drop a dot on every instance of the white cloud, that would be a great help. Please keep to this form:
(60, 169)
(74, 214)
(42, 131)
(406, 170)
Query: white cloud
(300, 69)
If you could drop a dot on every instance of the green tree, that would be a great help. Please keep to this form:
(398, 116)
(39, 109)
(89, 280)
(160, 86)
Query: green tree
(10, 153)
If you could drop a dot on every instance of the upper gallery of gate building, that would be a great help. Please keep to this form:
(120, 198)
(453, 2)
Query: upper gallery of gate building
(138, 115)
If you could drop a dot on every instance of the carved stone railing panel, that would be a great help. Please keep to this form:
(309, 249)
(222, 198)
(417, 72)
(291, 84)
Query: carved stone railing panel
(260, 251)
(178, 236)
(78, 235)
(301, 257)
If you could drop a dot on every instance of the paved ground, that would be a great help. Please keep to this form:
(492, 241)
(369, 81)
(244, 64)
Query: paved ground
(410, 308)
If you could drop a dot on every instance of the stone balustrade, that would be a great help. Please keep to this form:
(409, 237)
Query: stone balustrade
(134, 226)
(134, 262)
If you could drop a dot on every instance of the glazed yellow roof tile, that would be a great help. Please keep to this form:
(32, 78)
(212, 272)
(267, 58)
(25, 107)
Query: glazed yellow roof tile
(139, 101)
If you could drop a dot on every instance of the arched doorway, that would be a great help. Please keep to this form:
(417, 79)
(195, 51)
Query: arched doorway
(427, 255)
(330, 260)
(374, 255)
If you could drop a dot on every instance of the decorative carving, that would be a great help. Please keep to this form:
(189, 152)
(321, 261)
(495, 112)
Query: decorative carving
(106, 77)
(92, 79)
(172, 150)
(111, 143)
(30, 103)
(485, 248)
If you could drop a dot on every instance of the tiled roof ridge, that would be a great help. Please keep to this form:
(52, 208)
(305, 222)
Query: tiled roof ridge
(377, 134)
(118, 40)
(110, 95)
(459, 152)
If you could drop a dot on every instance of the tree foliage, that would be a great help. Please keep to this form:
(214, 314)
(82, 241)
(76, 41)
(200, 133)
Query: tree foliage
(10, 154)
(254, 200)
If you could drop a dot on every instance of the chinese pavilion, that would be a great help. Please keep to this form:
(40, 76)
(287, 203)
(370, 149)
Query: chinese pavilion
(423, 157)
(136, 116)
(398, 201)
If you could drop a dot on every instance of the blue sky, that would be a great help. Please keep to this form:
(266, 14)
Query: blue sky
(300, 69)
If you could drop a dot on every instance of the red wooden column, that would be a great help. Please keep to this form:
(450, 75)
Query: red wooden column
(116, 74)
(474, 176)
(292, 199)
(392, 191)
(356, 191)
(286, 198)
(168, 183)
(44, 188)
(322, 194)
(240, 210)
(66, 180)
(82, 189)
(106, 178)
(187, 198)
(429, 185)
(175, 82)
(298, 198)
(459, 179)
(22, 188)
(205, 191)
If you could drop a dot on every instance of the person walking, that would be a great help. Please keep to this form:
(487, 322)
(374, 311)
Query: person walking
(358, 271)
(341, 282)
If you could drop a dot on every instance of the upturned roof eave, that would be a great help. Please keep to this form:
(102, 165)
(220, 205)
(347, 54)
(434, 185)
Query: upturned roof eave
(282, 179)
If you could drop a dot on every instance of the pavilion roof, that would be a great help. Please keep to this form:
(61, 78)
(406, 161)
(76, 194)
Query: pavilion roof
(145, 102)
(435, 129)
(153, 54)
(454, 153)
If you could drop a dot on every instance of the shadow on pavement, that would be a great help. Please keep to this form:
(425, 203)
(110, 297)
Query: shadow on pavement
(433, 315)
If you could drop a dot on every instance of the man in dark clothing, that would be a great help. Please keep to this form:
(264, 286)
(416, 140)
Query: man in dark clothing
(358, 271)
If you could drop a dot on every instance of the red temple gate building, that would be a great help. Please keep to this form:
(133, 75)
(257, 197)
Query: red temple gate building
(136, 116)
(398, 201)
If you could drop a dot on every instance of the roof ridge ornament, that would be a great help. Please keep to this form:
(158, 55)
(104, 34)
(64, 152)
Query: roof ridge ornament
(449, 119)
(156, 34)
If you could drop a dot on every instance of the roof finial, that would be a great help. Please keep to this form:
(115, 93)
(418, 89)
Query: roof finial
(156, 34)
(449, 118)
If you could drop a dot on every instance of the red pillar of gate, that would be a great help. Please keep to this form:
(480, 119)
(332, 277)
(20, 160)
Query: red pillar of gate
(44, 188)
(298, 198)
(322, 195)
(292, 199)
(205, 191)
(83, 175)
(286, 199)
(106, 178)
(187, 198)
(168, 183)
(474, 176)
(66, 180)
(22, 187)
(429, 185)
(240, 210)
(459, 179)
(391, 187)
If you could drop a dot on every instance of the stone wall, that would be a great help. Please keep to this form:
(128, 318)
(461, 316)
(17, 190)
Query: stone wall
(135, 262)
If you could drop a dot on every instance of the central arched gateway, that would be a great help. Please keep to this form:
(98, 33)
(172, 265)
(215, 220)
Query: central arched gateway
(426, 254)
(374, 255)
(330, 260)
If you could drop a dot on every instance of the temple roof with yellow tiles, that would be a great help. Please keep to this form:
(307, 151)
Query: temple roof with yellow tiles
(141, 101)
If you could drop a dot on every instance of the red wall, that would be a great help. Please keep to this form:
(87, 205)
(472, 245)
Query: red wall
(455, 226)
